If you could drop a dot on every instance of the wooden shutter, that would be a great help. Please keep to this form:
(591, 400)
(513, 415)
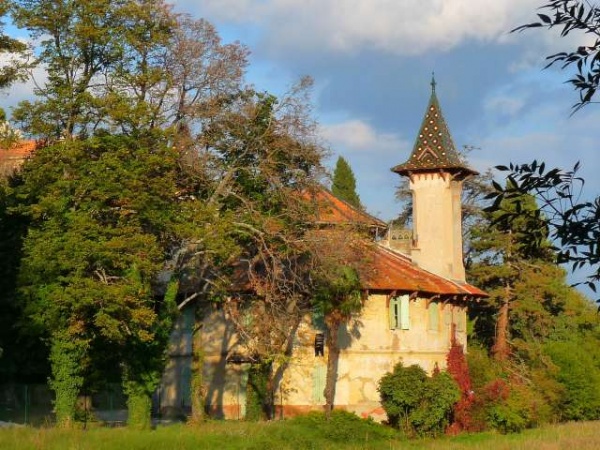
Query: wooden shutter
(404, 312)
(434, 315)
(319, 374)
(394, 313)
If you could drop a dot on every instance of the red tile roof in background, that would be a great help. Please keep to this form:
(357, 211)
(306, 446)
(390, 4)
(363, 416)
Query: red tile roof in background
(12, 158)
(333, 211)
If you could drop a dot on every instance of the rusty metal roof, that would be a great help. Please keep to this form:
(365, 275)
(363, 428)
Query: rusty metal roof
(391, 271)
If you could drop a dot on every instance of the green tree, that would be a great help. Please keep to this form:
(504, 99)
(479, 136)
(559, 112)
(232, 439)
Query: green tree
(502, 260)
(344, 183)
(96, 243)
(13, 69)
(572, 222)
(263, 156)
(123, 65)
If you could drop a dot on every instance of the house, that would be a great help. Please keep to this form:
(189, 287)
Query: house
(415, 302)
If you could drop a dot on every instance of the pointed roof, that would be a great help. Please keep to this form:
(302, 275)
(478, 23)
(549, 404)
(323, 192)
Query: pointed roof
(434, 149)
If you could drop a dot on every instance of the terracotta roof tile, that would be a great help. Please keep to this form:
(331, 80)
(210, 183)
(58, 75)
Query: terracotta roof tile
(334, 211)
(12, 158)
(390, 270)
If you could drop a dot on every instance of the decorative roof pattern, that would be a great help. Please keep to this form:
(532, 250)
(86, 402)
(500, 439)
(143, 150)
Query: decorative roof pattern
(434, 148)
(392, 271)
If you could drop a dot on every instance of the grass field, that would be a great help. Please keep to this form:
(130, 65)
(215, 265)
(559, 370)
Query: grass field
(308, 433)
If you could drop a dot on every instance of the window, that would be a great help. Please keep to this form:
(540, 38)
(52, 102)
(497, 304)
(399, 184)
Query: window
(434, 316)
(399, 313)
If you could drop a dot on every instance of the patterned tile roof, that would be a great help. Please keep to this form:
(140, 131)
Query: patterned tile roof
(392, 271)
(434, 148)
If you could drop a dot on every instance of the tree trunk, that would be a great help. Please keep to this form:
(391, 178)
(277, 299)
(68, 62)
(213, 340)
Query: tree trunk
(197, 388)
(500, 349)
(333, 322)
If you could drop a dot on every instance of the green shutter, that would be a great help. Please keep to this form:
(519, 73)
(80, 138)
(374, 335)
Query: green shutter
(434, 315)
(393, 311)
(319, 377)
(404, 313)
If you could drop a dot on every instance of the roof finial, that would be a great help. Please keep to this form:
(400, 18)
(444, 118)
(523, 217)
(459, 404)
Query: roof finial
(433, 83)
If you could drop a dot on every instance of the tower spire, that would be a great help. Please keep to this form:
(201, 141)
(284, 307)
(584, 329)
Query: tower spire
(434, 148)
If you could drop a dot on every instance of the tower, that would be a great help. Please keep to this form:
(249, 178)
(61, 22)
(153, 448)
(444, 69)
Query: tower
(436, 173)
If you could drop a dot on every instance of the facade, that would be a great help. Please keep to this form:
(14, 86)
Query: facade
(415, 303)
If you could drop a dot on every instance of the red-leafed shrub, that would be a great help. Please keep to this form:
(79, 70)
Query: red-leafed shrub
(459, 370)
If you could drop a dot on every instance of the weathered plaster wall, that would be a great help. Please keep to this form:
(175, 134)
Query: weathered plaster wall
(369, 349)
(437, 224)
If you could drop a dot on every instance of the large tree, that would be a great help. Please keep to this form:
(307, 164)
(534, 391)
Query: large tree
(502, 263)
(121, 73)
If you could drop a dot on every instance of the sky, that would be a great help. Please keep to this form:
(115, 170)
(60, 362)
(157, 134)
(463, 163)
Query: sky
(372, 61)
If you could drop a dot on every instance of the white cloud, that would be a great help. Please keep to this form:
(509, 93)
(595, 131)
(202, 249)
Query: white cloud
(406, 27)
(505, 105)
(371, 154)
(358, 136)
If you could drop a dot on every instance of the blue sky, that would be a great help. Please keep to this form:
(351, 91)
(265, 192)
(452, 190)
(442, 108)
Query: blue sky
(372, 61)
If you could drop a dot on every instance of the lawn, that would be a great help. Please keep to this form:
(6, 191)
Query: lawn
(310, 433)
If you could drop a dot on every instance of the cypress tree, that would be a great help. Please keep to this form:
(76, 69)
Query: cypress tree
(344, 183)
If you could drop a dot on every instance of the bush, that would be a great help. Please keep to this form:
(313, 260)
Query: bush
(342, 426)
(418, 404)
(580, 377)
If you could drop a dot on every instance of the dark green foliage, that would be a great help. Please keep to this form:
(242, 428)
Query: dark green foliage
(344, 183)
(572, 224)
(101, 221)
(342, 427)
(416, 403)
